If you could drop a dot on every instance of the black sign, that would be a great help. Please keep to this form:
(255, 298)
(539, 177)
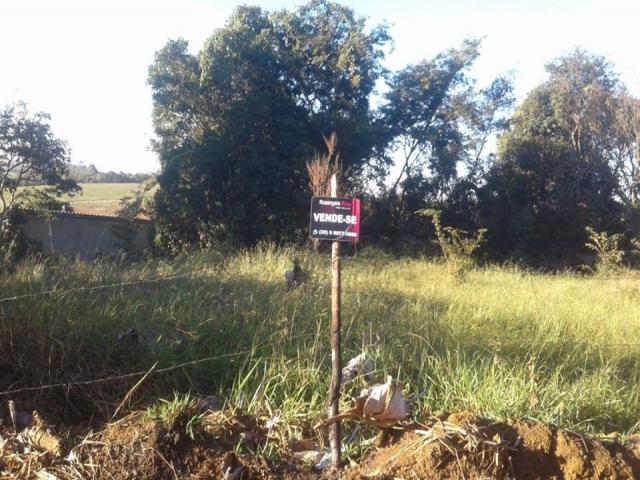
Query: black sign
(336, 219)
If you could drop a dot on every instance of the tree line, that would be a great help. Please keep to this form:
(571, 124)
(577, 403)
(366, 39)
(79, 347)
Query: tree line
(91, 174)
(236, 123)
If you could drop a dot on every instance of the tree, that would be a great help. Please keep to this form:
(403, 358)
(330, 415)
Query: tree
(29, 154)
(440, 124)
(230, 141)
(626, 156)
(236, 123)
(421, 110)
(554, 174)
(334, 63)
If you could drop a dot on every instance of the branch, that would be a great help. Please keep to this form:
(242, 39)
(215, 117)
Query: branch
(407, 158)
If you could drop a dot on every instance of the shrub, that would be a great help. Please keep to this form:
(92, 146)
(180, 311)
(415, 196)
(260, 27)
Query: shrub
(458, 246)
(607, 249)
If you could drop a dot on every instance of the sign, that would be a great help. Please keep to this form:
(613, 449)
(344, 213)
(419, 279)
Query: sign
(334, 218)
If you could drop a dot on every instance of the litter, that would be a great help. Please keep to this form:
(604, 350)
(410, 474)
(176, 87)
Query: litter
(359, 365)
(381, 404)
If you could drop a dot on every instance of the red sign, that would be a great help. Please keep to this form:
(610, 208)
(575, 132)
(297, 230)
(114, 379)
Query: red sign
(335, 219)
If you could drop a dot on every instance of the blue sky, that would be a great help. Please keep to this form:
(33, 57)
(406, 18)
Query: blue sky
(85, 62)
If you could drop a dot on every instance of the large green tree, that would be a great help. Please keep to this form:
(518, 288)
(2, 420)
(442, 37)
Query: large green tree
(236, 123)
(555, 174)
(625, 155)
(29, 154)
(335, 63)
(440, 124)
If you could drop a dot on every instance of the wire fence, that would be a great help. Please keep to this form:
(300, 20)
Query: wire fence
(126, 376)
(92, 288)
(153, 371)
(195, 274)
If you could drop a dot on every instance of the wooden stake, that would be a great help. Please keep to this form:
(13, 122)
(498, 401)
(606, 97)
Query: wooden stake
(336, 369)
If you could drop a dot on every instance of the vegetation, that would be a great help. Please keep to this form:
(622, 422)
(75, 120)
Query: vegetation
(505, 342)
(560, 165)
(29, 153)
(247, 129)
(140, 202)
(458, 247)
(237, 123)
(90, 174)
(607, 248)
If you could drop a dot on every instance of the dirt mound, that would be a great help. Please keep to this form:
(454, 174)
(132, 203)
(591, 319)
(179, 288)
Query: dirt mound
(141, 447)
(138, 447)
(220, 444)
(467, 447)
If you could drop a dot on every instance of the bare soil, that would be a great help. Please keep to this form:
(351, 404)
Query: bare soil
(462, 446)
(541, 452)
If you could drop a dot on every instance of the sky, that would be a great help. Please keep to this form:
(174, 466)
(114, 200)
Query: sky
(85, 61)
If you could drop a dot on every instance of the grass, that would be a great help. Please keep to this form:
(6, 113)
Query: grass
(99, 198)
(504, 342)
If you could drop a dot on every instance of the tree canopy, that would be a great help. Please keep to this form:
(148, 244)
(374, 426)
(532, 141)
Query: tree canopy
(555, 173)
(236, 122)
(29, 154)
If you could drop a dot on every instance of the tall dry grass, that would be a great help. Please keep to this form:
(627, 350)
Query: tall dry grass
(504, 342)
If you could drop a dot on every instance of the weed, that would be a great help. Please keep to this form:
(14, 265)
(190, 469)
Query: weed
(458, 246)
(607, 248)
(177, 412)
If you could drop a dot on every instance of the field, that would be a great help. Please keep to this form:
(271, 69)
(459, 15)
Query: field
(503, 342)
(99, 198)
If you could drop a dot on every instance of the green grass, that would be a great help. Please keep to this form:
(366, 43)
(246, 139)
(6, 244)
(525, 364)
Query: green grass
(504, 342)
(99, 198)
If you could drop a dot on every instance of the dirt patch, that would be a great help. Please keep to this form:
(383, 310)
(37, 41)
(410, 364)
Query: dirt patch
(223, 445)
(142, 448)
(482, 450)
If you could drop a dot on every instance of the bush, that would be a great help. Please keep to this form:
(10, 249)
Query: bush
(458, 246)
(607, 248)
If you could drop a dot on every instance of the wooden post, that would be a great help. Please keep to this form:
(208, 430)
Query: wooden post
(336, 369)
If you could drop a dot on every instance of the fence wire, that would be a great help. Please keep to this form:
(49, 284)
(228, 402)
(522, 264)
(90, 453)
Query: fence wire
(100, 287)
(192, 274)
(114, 378)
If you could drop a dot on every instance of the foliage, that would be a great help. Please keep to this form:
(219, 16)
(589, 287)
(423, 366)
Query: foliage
(9, 244)
(554, 174)
(138, 203)
(90, 174)
(458, 246)
(45, 199)
(439, 124)
(29, 153)
(235, 123)
(607, 248)
(177, 412)
(422, 111)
